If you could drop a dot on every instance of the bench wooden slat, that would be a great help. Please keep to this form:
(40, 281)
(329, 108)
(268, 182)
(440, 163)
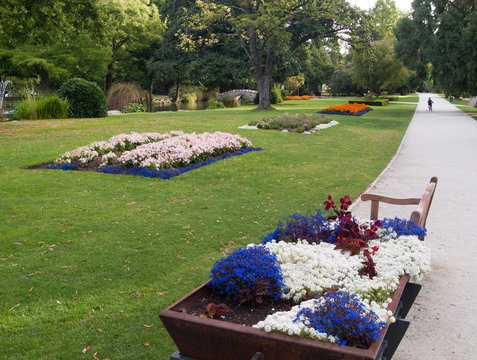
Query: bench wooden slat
(419, 216)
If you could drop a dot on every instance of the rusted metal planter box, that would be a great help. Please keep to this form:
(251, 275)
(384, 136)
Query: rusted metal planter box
(208, 339)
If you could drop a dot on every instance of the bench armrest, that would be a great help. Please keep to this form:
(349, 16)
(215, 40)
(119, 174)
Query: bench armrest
(376, 199)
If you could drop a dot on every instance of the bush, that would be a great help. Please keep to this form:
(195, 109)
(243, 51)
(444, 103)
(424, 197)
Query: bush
(51, 107)
(122, 94)
(190, 97)
(214, 104)
(188, 92)
(230, 101)
(133, 107)
(275, 96)
(86, 98)
(376, 102)
(26, 110)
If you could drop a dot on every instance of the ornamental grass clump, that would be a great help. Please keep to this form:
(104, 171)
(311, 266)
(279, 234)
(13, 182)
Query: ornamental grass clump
(344, 317)
(249, 275)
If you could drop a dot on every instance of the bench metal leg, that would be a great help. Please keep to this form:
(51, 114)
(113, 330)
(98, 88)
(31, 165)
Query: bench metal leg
(177, 356)
(392, 339)
(411, 290)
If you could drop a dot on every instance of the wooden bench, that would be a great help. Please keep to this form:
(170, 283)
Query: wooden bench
(419, 216)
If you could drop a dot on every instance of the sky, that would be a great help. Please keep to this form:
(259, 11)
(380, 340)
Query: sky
(404, 5)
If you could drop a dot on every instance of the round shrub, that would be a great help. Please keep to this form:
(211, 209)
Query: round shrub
(85, 98)
(248, 274)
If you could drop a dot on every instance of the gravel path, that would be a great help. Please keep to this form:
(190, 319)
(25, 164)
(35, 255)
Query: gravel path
(440, 143)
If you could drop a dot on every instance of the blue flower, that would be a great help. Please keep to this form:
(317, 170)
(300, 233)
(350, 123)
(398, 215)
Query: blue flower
(247, 273)
(343, 316)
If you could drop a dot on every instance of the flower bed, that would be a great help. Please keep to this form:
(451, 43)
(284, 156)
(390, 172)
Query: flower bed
(303, 97)
(300, 123)
(339, 275)
(154, 154)
(347, 109)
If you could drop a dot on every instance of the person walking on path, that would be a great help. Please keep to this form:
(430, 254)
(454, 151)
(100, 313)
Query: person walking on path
(429, 104)
(443, 321)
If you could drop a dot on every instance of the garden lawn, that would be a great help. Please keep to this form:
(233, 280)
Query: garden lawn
(471, 111)
(88, 260)
(408, 98)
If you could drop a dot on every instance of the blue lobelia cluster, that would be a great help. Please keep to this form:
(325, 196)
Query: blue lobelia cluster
(314, 228)
(402, 227)
(343, 316)
(247, 273)
(52, 165)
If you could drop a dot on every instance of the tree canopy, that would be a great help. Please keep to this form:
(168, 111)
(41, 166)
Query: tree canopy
(266, 30)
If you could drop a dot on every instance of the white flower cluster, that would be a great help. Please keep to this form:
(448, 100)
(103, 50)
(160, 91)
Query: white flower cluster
(311, 268)
(108, 158)
(182, 149)
(82, 155)
(153, 150)
(117, 143)
(401, 255)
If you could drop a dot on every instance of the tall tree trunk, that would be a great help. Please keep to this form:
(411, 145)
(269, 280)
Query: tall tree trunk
(3, 88)
(149, 96)
(263, 68)
(263, 87)
(45, 81)
(109, 76)
(178, 91)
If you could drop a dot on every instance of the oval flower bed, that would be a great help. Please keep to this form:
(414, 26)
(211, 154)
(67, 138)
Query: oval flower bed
(347, 109)
(303, 97)
(154, 154)
(325, 276)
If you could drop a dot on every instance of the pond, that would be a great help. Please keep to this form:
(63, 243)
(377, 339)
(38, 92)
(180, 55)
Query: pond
(198, 105)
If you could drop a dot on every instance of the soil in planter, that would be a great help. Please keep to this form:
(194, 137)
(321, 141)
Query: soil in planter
(243, 314)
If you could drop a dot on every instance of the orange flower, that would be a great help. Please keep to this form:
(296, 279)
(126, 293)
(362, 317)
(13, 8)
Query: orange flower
(347, 108)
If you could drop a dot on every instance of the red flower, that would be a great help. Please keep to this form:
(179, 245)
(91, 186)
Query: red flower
(329, 203)
(345, 202)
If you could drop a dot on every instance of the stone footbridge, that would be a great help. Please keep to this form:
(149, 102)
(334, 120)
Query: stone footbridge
(249, 94)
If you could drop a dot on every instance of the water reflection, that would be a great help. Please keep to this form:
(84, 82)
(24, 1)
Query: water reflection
(198, 105)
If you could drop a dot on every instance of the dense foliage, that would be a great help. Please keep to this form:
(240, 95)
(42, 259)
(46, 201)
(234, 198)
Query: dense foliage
(86, 99)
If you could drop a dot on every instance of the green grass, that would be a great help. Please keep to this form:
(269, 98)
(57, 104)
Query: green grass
(90, 259)
(471, 111)
(409, 98)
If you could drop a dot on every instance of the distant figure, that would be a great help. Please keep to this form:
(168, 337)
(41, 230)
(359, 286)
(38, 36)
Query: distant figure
(429, 104)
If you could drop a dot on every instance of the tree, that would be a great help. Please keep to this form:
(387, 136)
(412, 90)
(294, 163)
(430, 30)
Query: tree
(293, 83)
(378, 69)
(122, 21)
(49, 39)
(265, 29)
(440, 37)
(384, 15)
(454, 50)
(414, 36)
